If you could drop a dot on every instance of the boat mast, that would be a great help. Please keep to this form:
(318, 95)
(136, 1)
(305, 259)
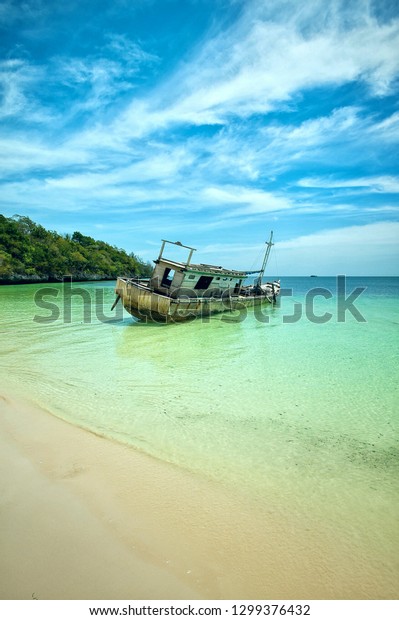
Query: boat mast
(265, 259)
(179, 243)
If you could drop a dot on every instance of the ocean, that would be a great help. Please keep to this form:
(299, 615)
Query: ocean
(295, 405)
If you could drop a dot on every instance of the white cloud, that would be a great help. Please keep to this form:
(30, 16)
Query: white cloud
(21, 155)
(110, 72)
(370, 234)
(380, 184)
(89, 83)
(242, 154)
(252, 201)
(17, 76)
(387, 129)
(94, 82)
(317, 130)
(129, 51)
(371, 249)
(383, 210)
(87, 193)
(111, 153)
(263, 60)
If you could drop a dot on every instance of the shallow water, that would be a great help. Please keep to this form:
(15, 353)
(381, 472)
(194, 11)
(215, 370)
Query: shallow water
(300, 415)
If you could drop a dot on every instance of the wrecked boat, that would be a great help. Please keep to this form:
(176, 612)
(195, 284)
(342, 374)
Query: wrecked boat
(183, 291)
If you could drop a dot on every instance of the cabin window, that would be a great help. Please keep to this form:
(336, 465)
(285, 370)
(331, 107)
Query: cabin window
(203, 283)
(191, 277)
(218, 278)
(168, 276)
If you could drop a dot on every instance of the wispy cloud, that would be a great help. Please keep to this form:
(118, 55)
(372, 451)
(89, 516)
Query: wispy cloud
(251, 201)
(280, 111)
(97, 78)
(385, 184)
(129, 51)
(327, 252)
(387, 129)
(261, 62)
(18, 77)
(368, 249)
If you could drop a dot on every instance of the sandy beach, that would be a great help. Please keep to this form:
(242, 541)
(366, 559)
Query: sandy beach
(82, 517)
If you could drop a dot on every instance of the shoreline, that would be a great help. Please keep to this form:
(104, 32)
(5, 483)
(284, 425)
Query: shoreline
(83, 517)
(54, 280)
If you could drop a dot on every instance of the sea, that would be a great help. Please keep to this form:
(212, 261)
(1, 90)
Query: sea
(295, 404)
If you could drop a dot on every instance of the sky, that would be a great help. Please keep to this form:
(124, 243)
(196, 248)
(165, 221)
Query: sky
(210, 122)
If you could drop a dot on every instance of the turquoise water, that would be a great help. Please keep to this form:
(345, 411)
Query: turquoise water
(293, 412)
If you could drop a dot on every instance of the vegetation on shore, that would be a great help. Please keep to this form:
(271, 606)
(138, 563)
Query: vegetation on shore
(30, 253)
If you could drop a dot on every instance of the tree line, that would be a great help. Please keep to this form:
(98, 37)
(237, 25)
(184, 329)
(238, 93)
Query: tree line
(30, 253)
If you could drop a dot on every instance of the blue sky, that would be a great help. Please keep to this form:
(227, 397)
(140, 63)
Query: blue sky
(210, 122)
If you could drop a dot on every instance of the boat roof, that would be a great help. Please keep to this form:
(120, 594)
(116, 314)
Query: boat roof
(203, 267)
(215, 269)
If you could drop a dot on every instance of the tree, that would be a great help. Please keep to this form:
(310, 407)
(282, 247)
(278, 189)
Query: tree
(29, 250)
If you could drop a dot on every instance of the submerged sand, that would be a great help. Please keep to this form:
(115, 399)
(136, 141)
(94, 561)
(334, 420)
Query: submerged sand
(82, 517)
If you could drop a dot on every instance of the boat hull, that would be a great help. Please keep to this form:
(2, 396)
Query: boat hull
(147, 305)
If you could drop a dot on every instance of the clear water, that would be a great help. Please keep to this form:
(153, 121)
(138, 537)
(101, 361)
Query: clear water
(298, 414)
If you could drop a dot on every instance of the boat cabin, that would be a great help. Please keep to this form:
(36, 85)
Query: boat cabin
(180, 278)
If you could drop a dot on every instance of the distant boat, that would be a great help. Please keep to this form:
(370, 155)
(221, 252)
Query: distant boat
(182, 291)
(313, 276)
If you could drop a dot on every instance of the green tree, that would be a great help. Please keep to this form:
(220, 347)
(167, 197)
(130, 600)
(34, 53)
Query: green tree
(28, 250)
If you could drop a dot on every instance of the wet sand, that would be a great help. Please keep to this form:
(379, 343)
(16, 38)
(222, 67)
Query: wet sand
(82, 517)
